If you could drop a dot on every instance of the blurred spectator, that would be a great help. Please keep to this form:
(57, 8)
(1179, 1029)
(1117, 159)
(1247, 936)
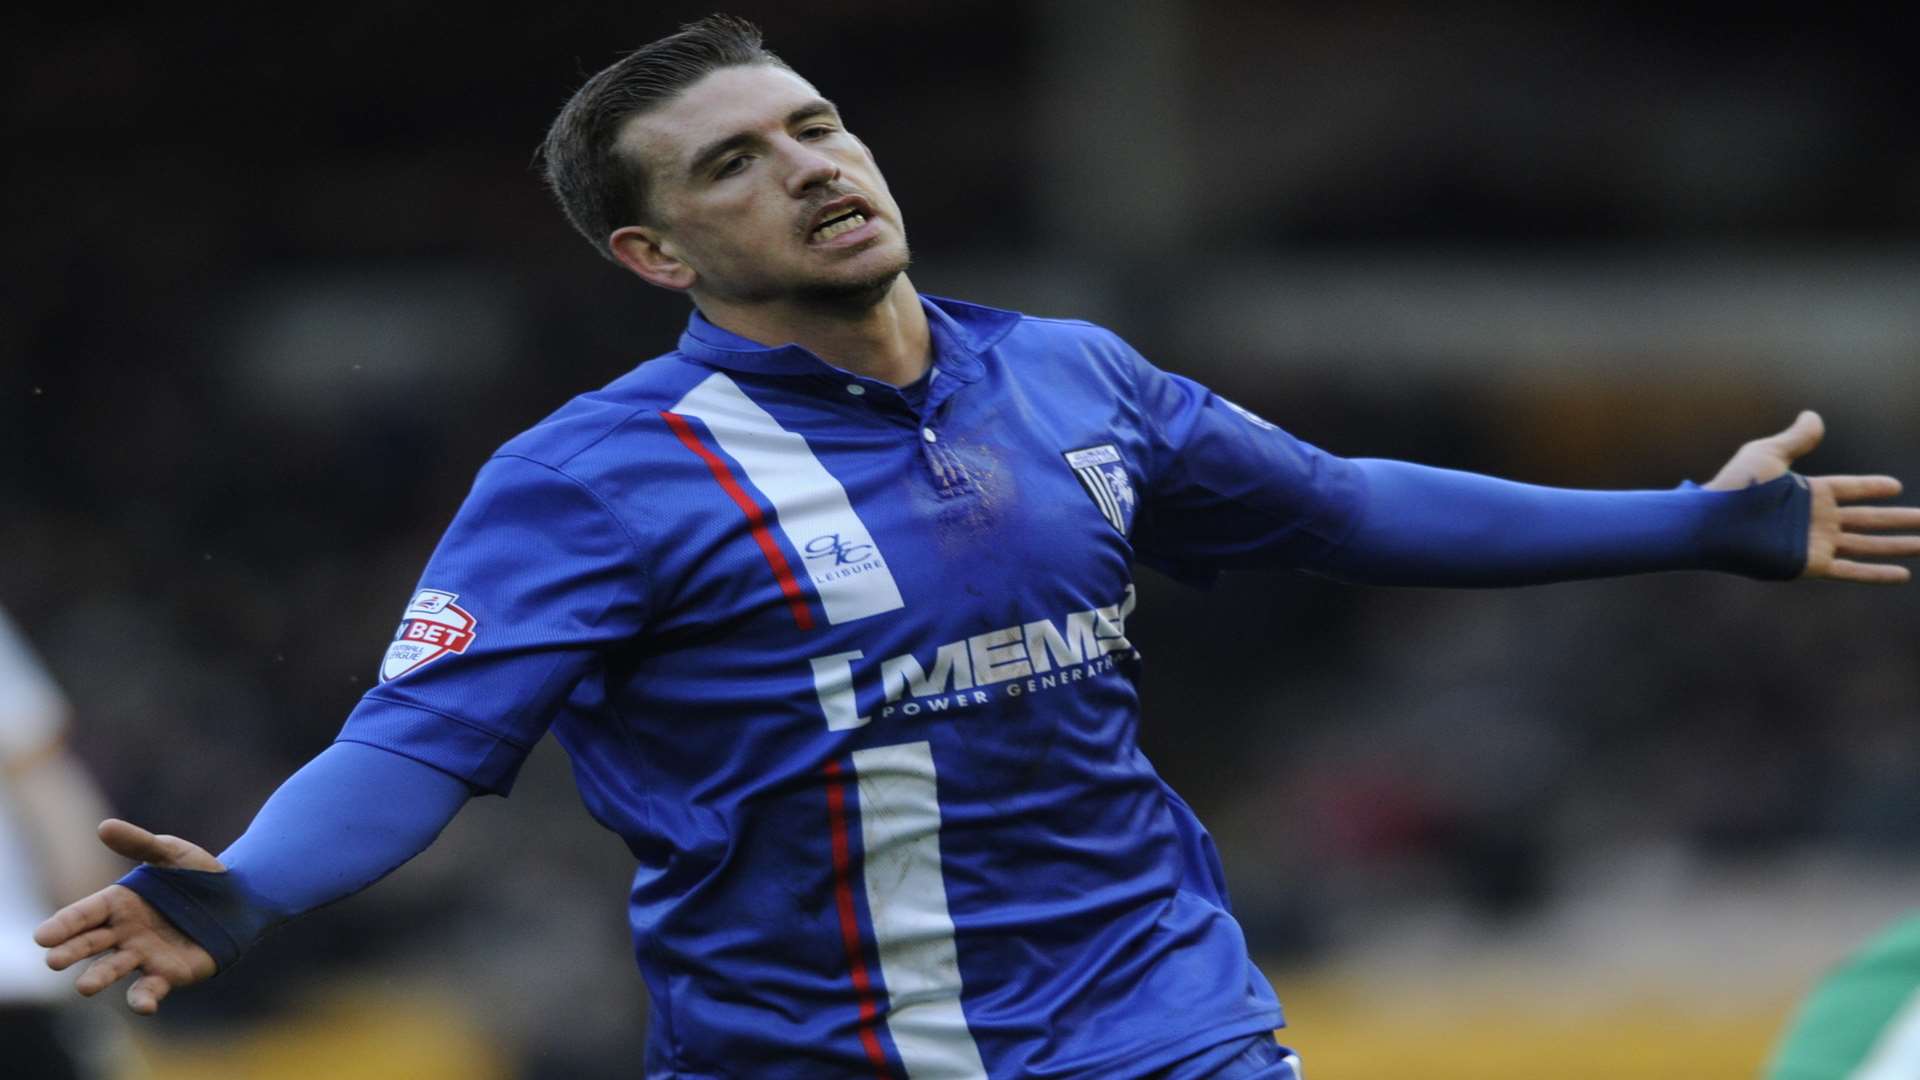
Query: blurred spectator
(48, 856)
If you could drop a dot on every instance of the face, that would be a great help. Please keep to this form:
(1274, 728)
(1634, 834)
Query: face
(760, 194)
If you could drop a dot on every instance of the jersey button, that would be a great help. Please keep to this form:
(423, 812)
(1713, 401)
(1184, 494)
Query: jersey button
(856, 389)
(927, 434)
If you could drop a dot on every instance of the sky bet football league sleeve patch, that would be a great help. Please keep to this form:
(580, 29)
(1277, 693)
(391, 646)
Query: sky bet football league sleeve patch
(1104, 476)
(432, 627)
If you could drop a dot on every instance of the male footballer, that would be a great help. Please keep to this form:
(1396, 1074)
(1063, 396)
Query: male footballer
(829, 606)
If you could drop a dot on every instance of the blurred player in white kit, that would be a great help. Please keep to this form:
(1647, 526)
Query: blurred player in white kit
(48, 807)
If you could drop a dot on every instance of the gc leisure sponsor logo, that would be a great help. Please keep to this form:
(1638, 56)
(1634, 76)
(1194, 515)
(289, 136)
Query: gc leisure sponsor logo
(432, 627)
(831, 558)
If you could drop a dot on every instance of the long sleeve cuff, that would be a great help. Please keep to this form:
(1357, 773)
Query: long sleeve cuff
(212, 908)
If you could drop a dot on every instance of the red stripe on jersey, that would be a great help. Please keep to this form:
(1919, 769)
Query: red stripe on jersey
(849, 926)
(756, 521)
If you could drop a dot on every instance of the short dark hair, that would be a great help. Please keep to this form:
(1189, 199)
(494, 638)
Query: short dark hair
(599, 188)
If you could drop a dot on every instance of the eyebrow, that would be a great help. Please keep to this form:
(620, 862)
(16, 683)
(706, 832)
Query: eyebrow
(719, 148)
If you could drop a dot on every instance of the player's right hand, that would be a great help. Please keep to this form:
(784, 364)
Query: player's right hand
(1845, 540)
(124, 932)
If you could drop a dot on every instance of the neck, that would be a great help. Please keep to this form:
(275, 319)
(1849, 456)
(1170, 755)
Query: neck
(887, 340)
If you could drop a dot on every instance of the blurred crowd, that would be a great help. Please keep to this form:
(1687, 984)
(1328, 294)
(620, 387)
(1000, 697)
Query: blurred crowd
(276, 288)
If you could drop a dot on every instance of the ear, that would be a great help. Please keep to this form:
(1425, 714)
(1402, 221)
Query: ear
(647, 252)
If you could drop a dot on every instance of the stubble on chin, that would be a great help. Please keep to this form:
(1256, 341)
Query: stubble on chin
(857, 294)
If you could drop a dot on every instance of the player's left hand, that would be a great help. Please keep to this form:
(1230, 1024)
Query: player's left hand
(1839, 531)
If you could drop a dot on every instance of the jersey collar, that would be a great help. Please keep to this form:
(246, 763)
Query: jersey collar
(960, 331)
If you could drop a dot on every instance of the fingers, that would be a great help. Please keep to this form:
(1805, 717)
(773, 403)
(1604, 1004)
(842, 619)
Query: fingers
(1763, 459)
(1867, 573)
(110, 968)
(77, 949)
(1882, 547)
(131, 841)
(1856, 540)
(1857, 488)
(1801, 436)
(146, 993)
(76, 918)
(1853, 537)
(1880, 517)
(134, 842)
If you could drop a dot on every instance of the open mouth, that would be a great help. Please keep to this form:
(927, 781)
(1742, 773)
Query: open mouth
(839, 225)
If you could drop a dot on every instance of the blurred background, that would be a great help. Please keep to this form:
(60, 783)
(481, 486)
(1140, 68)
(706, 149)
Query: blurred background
(279, 279)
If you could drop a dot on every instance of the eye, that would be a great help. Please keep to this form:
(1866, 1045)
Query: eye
(817, 131)
(732, 165)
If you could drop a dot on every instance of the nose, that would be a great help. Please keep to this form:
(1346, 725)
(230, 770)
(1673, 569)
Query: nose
(810, 168)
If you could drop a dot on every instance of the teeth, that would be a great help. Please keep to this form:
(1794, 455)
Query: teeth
(844, 225)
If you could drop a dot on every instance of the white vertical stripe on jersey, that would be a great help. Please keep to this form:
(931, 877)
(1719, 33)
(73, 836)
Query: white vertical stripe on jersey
(807, 501)
(1896, 1056)
(833, 685)
(907, 899)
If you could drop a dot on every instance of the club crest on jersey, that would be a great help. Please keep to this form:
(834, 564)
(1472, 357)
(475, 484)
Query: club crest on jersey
(1104, 476)
(432, 627)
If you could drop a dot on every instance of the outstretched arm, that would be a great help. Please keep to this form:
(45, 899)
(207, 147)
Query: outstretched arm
(1422, 526)
(345, 820)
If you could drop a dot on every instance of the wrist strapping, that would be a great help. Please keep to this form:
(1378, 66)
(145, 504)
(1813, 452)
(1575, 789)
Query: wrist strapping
(214, 908)
(1763, 531)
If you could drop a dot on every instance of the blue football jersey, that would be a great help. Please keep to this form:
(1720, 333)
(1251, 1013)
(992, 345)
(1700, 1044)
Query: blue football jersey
(850, 676)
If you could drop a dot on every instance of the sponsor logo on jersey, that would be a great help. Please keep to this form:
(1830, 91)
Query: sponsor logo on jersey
(1027, 658)
(830, 558)
(845, 565)
(1104, 476)
(432, 626)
